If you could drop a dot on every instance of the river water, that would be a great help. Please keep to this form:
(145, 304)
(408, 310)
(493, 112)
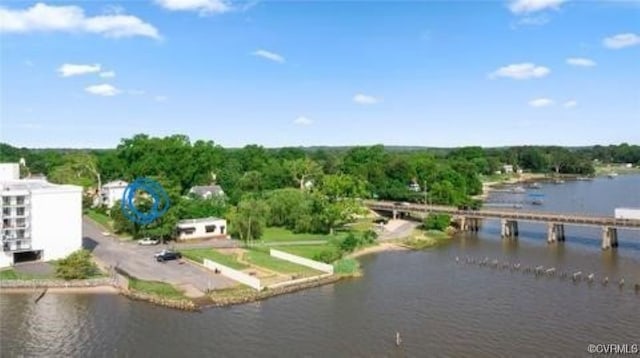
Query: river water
(442, 308)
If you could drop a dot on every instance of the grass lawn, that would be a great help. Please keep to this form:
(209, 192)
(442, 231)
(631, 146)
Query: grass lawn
(12, 274)
(155, 288)
(205, 253)
(100, 218)
(265, 260)
(279, 234)
(308, 251)
(361, 225)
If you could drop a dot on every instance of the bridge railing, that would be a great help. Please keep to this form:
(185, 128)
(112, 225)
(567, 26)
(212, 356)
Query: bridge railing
(515, 215)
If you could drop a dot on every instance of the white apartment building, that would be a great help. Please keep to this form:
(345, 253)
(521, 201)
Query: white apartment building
(38, 220)
(112, 192)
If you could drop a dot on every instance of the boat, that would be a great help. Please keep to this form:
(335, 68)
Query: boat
(584, 178)
(518, 189)
(537, 202)
(558, 181)
(612, 175)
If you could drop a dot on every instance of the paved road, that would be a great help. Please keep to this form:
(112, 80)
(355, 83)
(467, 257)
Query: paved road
(139, 261)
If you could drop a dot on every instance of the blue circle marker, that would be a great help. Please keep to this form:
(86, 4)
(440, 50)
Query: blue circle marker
(158, 195)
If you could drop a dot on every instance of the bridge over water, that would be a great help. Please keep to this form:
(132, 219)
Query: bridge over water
(469, 220)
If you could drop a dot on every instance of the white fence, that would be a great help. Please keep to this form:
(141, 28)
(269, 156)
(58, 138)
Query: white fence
(233, 274)
(302, 261)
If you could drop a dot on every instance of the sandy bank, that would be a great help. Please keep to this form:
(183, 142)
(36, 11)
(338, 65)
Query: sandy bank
(381, 247)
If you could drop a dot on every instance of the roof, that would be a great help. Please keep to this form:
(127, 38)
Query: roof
(197, 221)
(115, 184)
(34, 184)
(203, 190)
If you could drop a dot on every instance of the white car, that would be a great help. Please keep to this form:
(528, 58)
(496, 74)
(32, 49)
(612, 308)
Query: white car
(148, 241)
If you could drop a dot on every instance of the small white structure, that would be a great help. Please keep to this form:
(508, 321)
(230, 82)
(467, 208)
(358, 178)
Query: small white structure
(206, 191)
(112, 192)
(507, 169)
(628, 165)
(204, 228)
(38, 220)
(627, 213)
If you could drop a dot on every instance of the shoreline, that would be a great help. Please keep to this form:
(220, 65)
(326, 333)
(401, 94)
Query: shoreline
(78, 290)
(381, 247)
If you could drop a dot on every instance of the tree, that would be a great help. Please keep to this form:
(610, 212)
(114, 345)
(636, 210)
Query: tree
(302, 170)
(437, 222)
(79, 168)
(248, 219)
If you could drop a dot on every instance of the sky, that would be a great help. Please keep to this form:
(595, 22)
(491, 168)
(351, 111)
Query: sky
(294, 73)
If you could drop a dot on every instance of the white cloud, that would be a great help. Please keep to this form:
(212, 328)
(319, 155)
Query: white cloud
(160, 98)
(529, 6)
(107, 74)
(204, 7)
(541, 102)
(272, 56)
(581, 62)
(521, 71)
(106, 90)
(303, 121)
(621, 41)
(570, 104)
(365, 99)
(68, 69)
(42, 17)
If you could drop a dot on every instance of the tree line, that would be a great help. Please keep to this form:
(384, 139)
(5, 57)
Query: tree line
(305, 190)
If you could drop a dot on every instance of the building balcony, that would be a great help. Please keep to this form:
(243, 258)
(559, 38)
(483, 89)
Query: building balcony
(16, 245)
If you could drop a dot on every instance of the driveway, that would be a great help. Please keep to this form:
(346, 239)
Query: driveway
(139, 261)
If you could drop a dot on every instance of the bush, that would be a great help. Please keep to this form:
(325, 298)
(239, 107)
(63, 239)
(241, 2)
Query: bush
(369, 237)
(349, 243)
(346, 267)
(437, 222)
(328, 255)
(77, 265)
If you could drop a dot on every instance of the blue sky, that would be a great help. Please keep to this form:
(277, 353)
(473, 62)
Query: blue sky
(281, 73)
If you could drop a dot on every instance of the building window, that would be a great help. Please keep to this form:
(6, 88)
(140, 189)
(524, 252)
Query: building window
(222, 229)
(186, 230)
(6, 201)
(20, 212)
(209, 228)
(6, 212)
(20, 200)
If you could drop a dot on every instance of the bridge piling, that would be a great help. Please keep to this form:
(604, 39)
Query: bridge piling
(609, 237)
(509, 228)
(555, 232)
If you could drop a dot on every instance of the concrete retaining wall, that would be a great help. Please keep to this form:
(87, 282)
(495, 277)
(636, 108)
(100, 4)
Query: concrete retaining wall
(233, 274)
(299, 281)
(320, 266)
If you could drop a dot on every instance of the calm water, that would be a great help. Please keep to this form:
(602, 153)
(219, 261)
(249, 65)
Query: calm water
(440, 307)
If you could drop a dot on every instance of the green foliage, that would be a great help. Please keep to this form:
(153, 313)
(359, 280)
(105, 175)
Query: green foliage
(155, 288)
(349, 243)
(328, 255)
(346, 266)
(437, 222)
(248, 220)
(78, 265)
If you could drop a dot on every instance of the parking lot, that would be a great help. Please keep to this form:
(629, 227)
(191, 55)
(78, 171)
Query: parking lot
(139, 261)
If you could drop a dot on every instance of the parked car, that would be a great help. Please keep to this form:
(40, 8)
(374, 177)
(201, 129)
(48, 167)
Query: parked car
(148, 241)
(167, 255)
